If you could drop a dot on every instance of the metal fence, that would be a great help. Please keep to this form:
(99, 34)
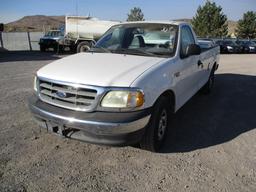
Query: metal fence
(21, 41)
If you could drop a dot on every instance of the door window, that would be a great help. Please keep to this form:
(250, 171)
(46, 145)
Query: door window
(187, 38)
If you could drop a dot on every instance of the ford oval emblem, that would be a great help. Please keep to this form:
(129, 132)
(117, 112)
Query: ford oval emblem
(61, 94)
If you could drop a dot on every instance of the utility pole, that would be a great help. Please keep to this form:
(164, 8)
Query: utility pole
(1, 40)
(29, 39)
(77, 18)
(1, 37)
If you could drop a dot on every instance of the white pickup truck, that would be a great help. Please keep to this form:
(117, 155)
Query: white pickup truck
(125, 89)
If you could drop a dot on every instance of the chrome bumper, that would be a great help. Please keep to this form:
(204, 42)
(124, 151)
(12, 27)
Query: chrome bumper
(102, 132)
(102, 128)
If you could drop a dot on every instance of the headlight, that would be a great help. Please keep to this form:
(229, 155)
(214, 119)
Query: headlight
(123, 99)
(229, 47)
(251, 47)
(35, 83)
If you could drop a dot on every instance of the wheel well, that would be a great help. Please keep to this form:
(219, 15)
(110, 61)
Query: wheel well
(171, 97)
(214, 66)
(80, 41)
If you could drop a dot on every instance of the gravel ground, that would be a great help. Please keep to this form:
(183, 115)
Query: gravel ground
(211, 145)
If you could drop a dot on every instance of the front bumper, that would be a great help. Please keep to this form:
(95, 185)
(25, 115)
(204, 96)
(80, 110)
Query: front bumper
(48, 43)
(231, 51)
(234, 50)
(252, 50)
(98, 127)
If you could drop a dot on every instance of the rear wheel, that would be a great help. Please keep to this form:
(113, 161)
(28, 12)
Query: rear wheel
(155, 132)
(83, 47)
(207, 88)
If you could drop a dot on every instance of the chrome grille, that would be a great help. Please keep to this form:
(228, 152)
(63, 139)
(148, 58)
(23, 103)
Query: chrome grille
(67, 95)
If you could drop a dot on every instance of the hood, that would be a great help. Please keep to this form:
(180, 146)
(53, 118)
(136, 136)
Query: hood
(53, 38)
(99, 69)
(232, 45)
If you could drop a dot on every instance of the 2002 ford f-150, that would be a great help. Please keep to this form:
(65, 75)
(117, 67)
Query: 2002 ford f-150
(124, 90)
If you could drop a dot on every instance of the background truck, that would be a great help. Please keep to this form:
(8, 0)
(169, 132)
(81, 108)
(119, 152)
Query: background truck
(125, 89)
(82, 32)
(51, 40)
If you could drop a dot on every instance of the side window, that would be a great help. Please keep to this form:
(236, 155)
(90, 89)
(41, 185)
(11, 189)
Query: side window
(187, 38)
(112, 39)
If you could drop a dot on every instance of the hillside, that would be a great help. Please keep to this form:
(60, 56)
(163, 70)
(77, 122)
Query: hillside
(35, 23)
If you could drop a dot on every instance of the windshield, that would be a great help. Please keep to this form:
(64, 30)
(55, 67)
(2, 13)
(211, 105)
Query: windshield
(248, 43)
(140, 39)
(53, 34)
(229, 43)
(252, 43)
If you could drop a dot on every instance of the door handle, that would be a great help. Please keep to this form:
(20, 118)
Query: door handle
(199, 63)
(177, 74)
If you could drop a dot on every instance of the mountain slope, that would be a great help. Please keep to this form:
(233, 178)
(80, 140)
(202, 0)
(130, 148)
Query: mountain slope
(35, 23)
(45, 23)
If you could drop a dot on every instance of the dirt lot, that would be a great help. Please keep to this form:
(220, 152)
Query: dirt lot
(212, 145)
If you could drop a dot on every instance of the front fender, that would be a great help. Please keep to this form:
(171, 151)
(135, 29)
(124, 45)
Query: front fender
(155, 81)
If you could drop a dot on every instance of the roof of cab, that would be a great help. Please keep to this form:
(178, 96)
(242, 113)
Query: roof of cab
(157, 22)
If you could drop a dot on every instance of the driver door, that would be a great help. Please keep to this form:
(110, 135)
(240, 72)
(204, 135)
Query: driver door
(189, 66)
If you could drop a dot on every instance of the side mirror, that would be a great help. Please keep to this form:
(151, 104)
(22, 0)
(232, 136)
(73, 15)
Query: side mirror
(193, 49)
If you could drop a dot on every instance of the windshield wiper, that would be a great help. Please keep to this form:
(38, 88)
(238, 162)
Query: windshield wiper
(133, 52)
(101, 49)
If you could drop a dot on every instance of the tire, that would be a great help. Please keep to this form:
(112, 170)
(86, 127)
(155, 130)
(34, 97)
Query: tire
(58, 49)
(207, 88)
(42, 48)
(155, 132)
(83, 46)
(61, 49)
(55, 49)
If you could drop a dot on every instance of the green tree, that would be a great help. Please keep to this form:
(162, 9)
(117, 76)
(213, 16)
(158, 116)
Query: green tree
(246, 27)
(135, 15)
(210, 21)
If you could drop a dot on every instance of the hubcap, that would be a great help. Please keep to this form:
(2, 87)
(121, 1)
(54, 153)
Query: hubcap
(162, 125)
(84, 48)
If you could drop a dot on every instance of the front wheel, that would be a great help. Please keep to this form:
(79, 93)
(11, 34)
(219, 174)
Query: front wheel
(155, 132)
(42, 48)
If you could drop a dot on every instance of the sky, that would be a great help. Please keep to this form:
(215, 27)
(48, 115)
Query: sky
(11, 10)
